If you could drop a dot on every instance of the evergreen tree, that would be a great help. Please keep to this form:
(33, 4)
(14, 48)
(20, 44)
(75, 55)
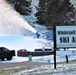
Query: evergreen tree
(51, 12)
(21, 6)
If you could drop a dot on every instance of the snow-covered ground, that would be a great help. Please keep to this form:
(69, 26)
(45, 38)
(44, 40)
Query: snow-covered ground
(62, 69)
(31, 43)
(12, 27)
(16, 42)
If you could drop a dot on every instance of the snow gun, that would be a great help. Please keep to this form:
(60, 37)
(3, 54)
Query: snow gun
(38, 34)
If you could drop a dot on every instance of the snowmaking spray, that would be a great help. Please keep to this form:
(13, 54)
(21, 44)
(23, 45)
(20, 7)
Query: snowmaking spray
(11, 22)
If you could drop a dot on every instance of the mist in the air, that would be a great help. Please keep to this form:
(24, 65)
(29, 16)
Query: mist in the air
(11, 22)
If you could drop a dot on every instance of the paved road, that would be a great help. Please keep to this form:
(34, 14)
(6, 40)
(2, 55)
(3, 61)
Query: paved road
(18, 64)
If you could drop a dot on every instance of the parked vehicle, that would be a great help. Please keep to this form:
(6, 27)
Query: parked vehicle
(6, 53)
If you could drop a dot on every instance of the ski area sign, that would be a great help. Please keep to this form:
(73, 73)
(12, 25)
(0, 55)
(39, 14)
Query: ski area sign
(65, 36)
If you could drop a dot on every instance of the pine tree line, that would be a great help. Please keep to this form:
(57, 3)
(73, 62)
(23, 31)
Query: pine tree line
(21, 6)
(49, 12)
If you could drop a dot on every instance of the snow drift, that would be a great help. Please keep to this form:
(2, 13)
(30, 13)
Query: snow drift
(11, 22)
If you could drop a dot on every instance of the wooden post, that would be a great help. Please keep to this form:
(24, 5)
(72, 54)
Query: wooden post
(75, 16)
(54, 58)
(54, 35)
(67, 59)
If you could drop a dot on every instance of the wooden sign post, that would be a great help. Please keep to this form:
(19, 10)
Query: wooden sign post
(54, 35)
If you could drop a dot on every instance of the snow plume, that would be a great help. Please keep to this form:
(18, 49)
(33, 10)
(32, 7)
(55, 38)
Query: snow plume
(11, 22)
